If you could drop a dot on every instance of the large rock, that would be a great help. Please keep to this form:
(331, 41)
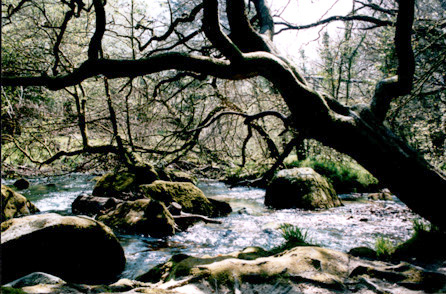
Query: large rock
(300, 188)
(119, 184)
(191, 198)
(298, 270)
(21, 184)
(143, 216)
(15, 204)
(301, 270)
(77, 249)
(93, 205)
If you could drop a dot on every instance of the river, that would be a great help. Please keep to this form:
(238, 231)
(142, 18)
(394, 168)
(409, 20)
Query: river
(356, 223)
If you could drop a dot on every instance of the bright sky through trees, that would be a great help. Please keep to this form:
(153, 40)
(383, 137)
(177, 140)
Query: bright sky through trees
(302, 12)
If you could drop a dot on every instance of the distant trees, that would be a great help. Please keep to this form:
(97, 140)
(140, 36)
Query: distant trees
(143, 86)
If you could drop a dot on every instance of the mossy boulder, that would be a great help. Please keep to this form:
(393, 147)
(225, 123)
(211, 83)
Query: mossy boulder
(76, 249)
(300, 188)
(143, 216)
(179, 176)
(191, 198)
(119, 184)
(15, 204)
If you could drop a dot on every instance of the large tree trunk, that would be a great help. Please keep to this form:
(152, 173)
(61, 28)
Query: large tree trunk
(409, 176)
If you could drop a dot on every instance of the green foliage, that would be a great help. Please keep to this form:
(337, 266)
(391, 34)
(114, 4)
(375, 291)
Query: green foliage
(384, 248)
(293, 234)
(344, 176)
(9, 290)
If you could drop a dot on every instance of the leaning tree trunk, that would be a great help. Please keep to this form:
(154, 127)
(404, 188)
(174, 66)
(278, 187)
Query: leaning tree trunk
(408, 175)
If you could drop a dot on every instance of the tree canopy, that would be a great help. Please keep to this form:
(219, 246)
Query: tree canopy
(165, 87)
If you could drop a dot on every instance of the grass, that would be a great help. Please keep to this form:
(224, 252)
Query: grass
(294, 236)
(345, 176)
(384, 248)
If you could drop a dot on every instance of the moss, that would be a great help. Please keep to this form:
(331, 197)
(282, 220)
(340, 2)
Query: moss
(115, 183)
(345, 176)
(9, 290)
(187, 195)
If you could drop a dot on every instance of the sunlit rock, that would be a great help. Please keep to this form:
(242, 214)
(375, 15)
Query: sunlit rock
(300, 188)
(191, 198)
(15, 204)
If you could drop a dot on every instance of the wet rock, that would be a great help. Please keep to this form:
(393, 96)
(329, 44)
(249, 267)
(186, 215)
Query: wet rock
(298, 270)
(300, 188)
(15, 204)
(77, 249)
(143, 216)
(21, 184)
(383, 195)
(191, 198)
(363, 252)
(116, 183)
(35, 279)
(93, 205)
(301, 270)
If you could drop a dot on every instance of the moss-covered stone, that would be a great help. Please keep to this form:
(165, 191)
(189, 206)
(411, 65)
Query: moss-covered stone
(143, 216)
(300, 188)
(191, 198)
(124, 181)
(179, 176)
(76, 249)
(15, 204)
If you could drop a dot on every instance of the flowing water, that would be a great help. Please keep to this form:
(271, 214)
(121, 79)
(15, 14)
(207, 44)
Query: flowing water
(357, 223)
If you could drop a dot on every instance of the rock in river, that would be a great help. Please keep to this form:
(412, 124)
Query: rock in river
(115, 184)
(15, 204)
(300, 188)
(77, 249)
(143, 216)
(191, 198)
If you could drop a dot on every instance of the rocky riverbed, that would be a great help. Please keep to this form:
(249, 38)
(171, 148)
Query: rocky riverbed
(359, 222)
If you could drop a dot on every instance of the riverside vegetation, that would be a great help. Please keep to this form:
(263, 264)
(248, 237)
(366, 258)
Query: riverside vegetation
(152, 95)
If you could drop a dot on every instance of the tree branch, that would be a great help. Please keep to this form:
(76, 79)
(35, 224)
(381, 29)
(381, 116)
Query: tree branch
(365, 18)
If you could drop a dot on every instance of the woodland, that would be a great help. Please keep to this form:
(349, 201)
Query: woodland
(92, 84)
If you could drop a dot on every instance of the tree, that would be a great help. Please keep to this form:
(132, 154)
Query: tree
(243, 48)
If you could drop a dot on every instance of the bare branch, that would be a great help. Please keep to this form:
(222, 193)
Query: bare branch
(365, 18)
(175, 23)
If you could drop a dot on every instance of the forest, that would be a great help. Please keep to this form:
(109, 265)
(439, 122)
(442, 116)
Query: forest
(119, 118)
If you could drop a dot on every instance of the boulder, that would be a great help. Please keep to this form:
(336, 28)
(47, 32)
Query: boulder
(383, 195)
(298, 270)
(35, 279)
(21, 184)
(122, 183)
(143, 216)
(93, 205)
(76, 249)
(191, 198)
(179, 176)
(15, 204)
(300, 188)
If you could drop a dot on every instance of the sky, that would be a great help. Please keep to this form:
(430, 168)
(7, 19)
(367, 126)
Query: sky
(301, 12)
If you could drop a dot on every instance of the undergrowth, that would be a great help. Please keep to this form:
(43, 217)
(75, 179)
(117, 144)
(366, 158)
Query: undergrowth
(345, 176)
